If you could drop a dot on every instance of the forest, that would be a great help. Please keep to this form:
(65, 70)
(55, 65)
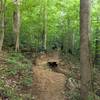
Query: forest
(49, 50)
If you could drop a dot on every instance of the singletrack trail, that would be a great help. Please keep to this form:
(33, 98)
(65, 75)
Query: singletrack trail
(49, 77)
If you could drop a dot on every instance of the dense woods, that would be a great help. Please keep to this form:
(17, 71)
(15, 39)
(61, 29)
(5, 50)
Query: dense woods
(47, 46)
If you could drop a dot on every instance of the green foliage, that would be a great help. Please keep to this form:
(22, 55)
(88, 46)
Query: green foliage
(63, 29)
(59, 13)
(15, 74)
(26, 81)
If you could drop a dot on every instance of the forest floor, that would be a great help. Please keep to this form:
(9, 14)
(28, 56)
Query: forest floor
(15, 77)
(16, 74)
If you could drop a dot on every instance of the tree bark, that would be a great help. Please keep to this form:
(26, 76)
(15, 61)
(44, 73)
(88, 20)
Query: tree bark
(2, 2)
(45, 24)
(16, 23)
(84, 48)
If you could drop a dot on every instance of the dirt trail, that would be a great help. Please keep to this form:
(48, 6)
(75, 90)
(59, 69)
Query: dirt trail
(53, 57)
(49, 79)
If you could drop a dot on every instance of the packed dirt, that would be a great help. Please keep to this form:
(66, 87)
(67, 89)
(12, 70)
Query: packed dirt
(48, 85)
(49, 81)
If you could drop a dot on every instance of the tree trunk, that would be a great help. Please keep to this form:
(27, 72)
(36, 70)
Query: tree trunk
(67, 41)
(2, 2)
(45, 25)
(16, 23)
(84, 48)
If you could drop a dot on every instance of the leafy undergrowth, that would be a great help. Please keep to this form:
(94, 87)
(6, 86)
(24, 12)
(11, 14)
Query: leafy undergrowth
(15, 77)
(73, 81)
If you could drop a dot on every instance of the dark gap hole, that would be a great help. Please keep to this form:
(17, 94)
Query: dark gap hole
(52, 64)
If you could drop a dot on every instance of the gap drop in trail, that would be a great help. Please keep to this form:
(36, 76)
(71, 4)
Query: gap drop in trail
(49, 77)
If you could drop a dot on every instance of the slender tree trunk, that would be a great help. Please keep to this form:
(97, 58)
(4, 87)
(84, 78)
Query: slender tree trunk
(42, 24)
(16, 23)
(84, 48)
(70, 36)
(2, 2)
(45, 24)
(73, 42)
(67, 41)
